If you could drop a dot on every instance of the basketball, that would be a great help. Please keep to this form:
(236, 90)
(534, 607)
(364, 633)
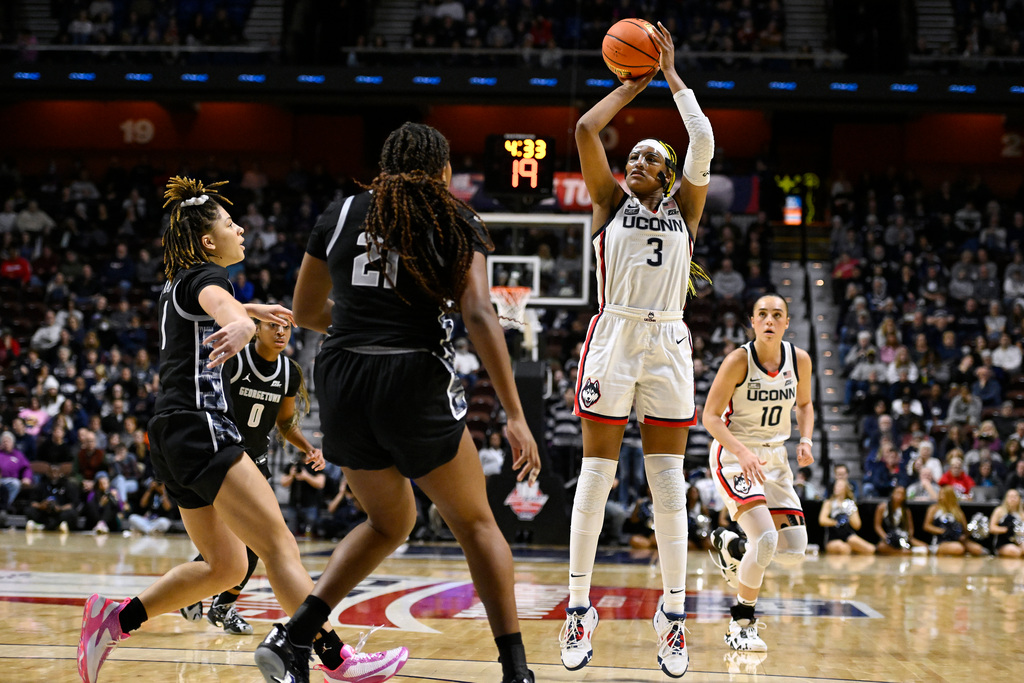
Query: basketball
(629, 49)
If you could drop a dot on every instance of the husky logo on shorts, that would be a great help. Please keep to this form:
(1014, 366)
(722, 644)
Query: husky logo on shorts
(741, 484)
(591, 393)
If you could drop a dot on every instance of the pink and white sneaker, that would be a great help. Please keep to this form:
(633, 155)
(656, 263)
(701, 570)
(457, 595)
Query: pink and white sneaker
(101, 632)
(362, 667)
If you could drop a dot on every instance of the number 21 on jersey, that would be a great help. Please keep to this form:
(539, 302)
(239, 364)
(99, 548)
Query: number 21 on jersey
(366, 268)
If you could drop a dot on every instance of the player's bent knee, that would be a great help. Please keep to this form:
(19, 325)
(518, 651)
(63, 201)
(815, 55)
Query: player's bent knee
(792, 544)
(764, 549)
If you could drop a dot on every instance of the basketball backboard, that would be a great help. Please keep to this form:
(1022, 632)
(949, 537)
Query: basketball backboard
(551, 254)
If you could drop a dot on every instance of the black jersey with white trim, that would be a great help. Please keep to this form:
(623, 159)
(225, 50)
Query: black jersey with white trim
(367, 311)
(185, 381)
(258, 386)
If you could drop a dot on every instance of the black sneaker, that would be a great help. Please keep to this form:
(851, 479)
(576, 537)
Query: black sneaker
(281, 662)
(528, 678)
(228, 617)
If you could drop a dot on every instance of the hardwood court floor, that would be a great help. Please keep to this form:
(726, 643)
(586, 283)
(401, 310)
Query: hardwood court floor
(919, 618)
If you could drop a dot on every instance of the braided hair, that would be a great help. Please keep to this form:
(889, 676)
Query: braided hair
(413, 213)
(193, 212)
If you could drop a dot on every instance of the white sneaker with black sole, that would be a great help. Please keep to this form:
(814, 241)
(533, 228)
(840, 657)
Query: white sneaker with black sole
(729, 565)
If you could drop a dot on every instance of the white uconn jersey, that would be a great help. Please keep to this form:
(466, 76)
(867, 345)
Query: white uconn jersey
(762, 404)
(643, 257)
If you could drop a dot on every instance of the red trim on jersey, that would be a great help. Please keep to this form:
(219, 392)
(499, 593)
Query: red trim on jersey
(662, 422)
(728, 413)
(773, 375)
(600, 418)
(787, 511)
(582, 365)
(603, 265)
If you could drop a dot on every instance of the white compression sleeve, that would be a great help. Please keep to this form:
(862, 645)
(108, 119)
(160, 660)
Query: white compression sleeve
(595, 481)
(697, 165)
(668, 495)
(762, 538)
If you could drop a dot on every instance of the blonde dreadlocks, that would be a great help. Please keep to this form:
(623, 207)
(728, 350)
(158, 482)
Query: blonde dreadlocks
(413, 213)
(193, 212)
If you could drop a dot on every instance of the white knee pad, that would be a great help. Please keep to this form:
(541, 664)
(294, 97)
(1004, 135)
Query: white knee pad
(792, 544)
(762, 539)
(668, 485)
(764, 547)
(595, 481)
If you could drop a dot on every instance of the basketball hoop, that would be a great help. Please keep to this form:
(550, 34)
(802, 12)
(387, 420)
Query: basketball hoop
(511, 303)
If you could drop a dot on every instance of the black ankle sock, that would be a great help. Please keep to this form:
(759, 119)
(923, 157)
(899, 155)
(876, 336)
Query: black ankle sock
(225, 598)
(307, 621)
(327, 647)
(512, 655)
(740, 611)
(132, 616)
(737, 547)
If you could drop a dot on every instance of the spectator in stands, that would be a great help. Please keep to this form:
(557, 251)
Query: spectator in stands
(90, 459)
(987, 388)
(565, 436)
(965, 407)
(104, 508)
(156, 511)
(34, 220)
(14, 268)
(466, 363)
(728, 283)
(492, 456)
(15, 474)
(344, 513)
(956, 476)
(882, 476)
(804, 486)
(729, 330)
(306, 495)
(1007, 356)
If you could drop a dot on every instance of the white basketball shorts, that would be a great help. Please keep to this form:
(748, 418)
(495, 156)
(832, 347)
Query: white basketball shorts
(777, 491)
(646, 355)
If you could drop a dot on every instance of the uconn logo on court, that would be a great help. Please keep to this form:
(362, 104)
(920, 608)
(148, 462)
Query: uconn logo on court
(770, 394)
(653, 224)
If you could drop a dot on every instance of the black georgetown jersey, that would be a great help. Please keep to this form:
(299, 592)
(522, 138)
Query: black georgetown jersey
(185, 381)
(367, 310)
(258, 386)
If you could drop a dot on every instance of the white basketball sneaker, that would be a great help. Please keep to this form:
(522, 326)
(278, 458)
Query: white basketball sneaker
(743, 636)
(574, 640)
(673, 658)
(720, 539)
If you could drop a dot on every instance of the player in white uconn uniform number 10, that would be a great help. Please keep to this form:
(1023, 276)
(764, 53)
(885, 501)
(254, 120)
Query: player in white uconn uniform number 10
(748, 414)
(638, 349)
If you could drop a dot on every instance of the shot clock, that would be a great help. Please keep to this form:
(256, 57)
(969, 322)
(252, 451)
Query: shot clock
(519, 164)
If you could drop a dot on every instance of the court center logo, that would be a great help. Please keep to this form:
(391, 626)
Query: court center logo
(591, 392)
(741, 484)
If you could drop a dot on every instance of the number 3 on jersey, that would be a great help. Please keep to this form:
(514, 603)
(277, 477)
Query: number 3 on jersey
(658, 244)
(366, 266)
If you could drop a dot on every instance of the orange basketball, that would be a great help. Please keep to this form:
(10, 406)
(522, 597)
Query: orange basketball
(629, 49)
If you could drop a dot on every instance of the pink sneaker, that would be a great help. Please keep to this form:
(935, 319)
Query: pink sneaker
(361, 667)
(101, 632)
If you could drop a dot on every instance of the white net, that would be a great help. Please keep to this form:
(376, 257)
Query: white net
(511, 303)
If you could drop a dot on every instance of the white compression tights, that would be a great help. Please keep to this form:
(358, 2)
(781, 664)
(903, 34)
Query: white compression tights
(595, 481)
(668, 495)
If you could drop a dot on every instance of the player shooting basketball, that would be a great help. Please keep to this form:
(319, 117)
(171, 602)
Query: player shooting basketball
(638, 348)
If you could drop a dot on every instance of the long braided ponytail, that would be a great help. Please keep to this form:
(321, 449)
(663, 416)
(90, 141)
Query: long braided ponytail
(193, 212)
(413, 213)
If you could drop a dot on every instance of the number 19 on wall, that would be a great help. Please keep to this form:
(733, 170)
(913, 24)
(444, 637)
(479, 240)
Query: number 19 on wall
(525, 169)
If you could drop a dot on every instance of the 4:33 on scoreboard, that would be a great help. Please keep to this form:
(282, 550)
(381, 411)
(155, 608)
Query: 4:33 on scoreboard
(519, 164)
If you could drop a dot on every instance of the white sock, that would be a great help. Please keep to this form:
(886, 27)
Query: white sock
(668, 494)
(592, 487)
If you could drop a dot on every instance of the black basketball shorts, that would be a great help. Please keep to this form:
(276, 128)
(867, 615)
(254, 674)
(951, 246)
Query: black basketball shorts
(192, 452)
(405, 410)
